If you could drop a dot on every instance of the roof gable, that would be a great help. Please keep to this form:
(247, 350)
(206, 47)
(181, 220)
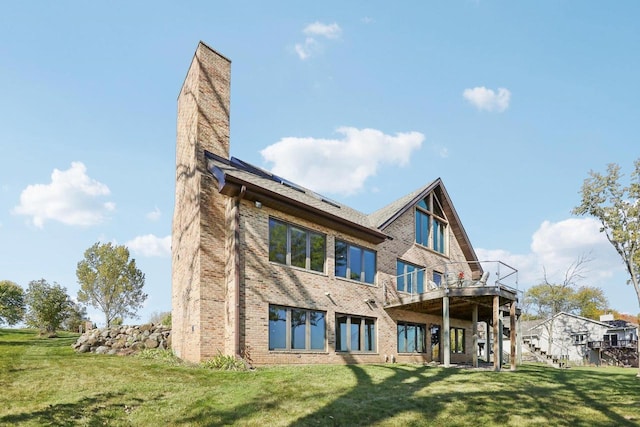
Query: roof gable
(575, 316)
(385, 216)
(261, 185)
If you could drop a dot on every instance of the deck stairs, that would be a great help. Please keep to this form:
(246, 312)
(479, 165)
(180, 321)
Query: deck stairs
(538, 355)
(627, 357)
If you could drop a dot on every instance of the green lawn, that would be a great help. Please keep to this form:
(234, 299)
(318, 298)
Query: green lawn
(43, 382)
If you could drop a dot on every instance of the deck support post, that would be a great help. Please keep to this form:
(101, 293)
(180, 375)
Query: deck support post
(445, 342)
(496, 333)
(474, 320)
(489, 342)
(512, 334)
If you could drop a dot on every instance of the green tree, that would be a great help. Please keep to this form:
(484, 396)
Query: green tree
(617, 207)
(549, 299)
(110, 281)
(48, 306)
(161, 318)
(590, 302)
(12, 304)
(76, 317)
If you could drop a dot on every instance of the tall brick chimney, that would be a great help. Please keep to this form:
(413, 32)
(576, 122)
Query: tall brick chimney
(198, 263)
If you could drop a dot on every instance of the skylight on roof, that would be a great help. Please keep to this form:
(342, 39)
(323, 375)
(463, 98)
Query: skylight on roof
(248, 167)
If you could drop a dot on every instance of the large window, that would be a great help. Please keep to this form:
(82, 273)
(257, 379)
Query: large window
(411, 338)
(457, 340)
(296, 246)
(431, 224)
(355, 262)
(296, 329)
(410, 278)
(355, 333)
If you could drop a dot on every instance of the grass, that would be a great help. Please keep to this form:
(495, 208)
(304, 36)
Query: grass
(43, 382)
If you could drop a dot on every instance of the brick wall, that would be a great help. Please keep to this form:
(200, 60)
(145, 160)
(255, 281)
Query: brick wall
(198, 232)
(205, 267)
(264, 282)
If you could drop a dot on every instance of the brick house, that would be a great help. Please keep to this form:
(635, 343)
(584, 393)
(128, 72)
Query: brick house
(263, 266)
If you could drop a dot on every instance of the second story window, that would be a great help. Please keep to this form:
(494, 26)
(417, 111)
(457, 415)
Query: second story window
(355, 263)
(410, 278)
(431, 224)
(296, 246)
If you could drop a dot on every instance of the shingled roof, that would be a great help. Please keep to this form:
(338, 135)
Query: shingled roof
(236, 177)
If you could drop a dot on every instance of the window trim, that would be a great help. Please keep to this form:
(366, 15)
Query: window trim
(454, 333)
(362, 332)
(363, 276)
(423, 346)
(407, 277)
(309, 233)
(433, 242)
(580, 338)
(287, 337)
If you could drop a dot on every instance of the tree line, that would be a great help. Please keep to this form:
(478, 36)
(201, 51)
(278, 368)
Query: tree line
(109, 281)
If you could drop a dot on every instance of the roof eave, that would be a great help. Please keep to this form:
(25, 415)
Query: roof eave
(230, 185)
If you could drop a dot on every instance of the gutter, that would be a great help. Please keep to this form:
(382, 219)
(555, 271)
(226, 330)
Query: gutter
(236, 265)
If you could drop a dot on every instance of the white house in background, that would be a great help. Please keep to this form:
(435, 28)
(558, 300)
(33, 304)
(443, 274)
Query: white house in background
(584, 341)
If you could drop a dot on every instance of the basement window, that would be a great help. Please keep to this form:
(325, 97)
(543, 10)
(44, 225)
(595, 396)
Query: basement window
(411, 338)
(355, 333)
(296, 329)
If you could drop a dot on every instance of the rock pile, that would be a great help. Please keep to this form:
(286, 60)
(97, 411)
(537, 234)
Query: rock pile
(124, 340)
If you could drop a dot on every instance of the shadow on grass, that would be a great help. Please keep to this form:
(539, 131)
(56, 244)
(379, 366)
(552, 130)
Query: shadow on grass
(95, 410)
(366, 403)
(419, 395)
(371, 402)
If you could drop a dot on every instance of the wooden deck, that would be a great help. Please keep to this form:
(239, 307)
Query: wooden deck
(461, 300)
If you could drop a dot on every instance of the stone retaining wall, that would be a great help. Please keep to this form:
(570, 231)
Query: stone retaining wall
(124, 339)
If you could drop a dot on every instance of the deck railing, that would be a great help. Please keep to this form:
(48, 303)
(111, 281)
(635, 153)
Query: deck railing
(613, 344)
(457, 274)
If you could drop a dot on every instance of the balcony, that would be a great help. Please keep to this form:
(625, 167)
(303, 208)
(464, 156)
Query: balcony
(465, 283)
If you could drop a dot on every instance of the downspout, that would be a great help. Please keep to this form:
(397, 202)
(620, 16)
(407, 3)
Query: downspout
(236, 269)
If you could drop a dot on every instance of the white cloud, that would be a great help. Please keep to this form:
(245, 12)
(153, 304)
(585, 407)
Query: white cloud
(72, 197)
(340, 165)
(440, 150)
(306, 49)
(311, 46)
(488, 100)
(368, 20)
(150, 245)
(154, 215)
(330, 31)
(555, 246)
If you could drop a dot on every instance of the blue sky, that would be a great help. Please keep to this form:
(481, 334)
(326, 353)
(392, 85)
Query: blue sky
(510, 103)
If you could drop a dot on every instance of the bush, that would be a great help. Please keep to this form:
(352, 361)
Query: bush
(158, 355)
(223, 362)
(166, 320)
